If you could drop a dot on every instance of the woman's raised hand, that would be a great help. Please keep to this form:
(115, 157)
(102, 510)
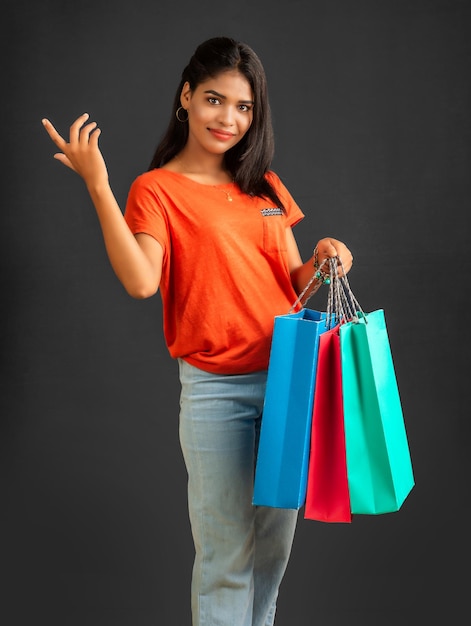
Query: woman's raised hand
(81, 153)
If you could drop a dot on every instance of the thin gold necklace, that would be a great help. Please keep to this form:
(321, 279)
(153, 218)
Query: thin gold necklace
(218, 187)
(228, 193)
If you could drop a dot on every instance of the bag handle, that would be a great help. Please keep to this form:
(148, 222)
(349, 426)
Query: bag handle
(342, 305)
(314, 277)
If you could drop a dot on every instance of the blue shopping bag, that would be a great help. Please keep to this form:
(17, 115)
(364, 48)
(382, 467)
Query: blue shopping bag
(283, 451)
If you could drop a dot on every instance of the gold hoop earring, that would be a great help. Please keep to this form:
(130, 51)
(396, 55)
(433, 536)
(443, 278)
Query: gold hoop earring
(177, 115)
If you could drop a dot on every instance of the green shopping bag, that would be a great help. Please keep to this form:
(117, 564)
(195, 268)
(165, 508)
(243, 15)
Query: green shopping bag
(379, 465)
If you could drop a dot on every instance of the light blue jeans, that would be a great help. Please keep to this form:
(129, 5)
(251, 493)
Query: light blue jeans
(241, 550)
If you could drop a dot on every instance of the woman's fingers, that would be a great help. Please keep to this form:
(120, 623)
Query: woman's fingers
(53, 134)
(81, 152)
(77, 132)
(59, 141)
(75, 129)
(85, 133)
(328, 248)
(94, 137)
(60, 156)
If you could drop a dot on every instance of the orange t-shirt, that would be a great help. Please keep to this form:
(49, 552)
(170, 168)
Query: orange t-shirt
(225, 268)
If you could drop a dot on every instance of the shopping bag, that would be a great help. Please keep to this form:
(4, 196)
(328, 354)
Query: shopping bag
(282, 459)
(379, 467)
(327, 496)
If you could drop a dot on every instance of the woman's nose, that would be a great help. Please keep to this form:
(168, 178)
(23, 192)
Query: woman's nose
(227, 116)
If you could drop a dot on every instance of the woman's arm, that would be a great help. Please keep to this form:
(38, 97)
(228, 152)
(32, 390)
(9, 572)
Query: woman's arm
(301, 272)
(137, 261)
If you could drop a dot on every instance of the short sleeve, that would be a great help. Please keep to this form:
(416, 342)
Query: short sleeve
(293, 211)
(145, 212)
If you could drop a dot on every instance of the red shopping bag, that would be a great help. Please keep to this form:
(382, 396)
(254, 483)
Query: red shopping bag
(327, 497)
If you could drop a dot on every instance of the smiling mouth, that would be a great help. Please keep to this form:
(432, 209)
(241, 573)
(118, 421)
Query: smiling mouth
(220, 134)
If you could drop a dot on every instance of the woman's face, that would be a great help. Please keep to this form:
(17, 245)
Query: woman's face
(220, 112)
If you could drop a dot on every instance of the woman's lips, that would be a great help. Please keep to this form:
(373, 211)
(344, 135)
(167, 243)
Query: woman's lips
(221, 134)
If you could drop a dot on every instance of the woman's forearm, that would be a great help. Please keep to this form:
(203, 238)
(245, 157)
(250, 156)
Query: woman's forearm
(137, 264)
(302, 275)
(139, 274)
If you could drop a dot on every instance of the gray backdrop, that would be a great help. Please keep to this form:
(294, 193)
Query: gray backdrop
(371, 103)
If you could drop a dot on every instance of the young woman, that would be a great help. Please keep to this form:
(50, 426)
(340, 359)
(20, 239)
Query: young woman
(210, 226)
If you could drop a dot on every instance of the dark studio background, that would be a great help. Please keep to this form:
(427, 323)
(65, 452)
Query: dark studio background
(371, 105)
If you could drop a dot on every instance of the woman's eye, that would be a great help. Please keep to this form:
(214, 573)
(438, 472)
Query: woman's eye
(213, 100)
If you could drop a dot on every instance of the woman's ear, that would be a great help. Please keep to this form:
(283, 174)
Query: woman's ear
(185, 95)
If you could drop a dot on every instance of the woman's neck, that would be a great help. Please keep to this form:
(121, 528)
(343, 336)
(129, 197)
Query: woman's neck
(208, 168)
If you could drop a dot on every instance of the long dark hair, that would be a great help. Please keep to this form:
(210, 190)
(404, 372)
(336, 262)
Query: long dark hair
(249, 160)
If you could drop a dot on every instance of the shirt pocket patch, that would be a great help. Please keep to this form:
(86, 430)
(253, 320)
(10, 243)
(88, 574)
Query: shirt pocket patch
(274, 236)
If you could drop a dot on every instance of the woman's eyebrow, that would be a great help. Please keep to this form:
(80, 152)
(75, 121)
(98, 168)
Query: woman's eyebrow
(220, 95)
